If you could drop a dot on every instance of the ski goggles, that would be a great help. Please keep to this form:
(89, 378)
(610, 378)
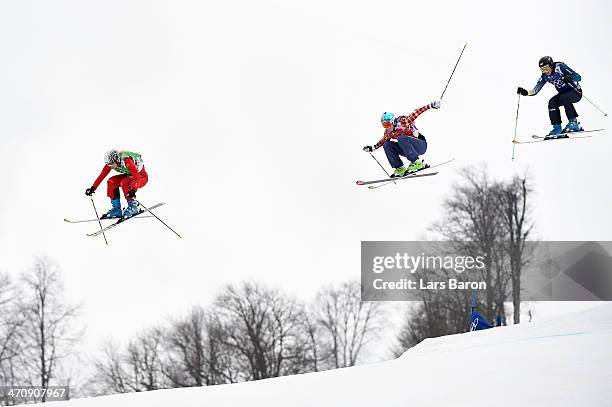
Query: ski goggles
(545, 68)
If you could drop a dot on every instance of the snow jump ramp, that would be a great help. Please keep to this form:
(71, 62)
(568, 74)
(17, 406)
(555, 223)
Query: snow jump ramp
(562, 361)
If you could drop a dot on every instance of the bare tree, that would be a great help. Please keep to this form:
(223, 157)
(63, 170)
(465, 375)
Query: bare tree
(185, 364)
(197, 355)
(49, 322)
(313, 331)
(514, 207)
(137, 368)
(221, 358)
(347, 322)
(110, 374)
(472, 221)
(11, 335)
(481, 217)
(143, 361)
(265, 330)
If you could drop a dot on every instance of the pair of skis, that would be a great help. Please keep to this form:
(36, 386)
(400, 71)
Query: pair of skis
(119, 221)
(123, 220)
(96, 219)
(377, 183)
(562, 136)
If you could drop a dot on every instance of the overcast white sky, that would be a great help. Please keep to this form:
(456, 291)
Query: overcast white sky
(251, 118)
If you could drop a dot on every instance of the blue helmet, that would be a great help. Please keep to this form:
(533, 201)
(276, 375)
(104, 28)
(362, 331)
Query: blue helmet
(387, 117)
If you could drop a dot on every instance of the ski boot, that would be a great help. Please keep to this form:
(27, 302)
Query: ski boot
(416, 165)
(115, 211)
(399, 172)
(556, 132)
(132, 209)
(572, 126)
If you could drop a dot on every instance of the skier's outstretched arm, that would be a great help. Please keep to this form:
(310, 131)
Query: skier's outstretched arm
(105, 171)
(433, 105)
(537, 87)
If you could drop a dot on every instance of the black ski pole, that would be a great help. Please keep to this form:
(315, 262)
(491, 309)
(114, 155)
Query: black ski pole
(380, 165)
(156, 217)
(99, 221)
(518, 104)
(451, 75)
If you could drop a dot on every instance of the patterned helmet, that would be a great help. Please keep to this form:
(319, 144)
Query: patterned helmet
(111, 157)
(387, 117)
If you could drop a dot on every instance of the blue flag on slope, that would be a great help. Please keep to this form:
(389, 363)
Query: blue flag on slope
(478, 321)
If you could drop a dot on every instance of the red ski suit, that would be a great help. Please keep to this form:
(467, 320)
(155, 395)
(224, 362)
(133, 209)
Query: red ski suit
(127, 182)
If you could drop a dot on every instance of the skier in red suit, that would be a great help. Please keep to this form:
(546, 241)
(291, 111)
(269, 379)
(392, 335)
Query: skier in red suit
(132, 176)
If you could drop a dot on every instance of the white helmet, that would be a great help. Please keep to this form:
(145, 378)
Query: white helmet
(111, 157)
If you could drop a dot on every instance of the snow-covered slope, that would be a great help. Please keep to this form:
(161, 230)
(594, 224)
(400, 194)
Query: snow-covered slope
(564, 361)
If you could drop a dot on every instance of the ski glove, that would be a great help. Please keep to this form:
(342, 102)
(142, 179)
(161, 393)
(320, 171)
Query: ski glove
(435, 104)
(522, 92)
(368, 149)
(90, 191)
(131, 194)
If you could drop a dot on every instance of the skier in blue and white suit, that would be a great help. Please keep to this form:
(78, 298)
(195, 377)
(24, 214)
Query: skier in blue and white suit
(566, 82)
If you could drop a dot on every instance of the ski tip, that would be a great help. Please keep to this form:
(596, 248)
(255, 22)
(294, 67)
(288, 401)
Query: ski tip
(359, 182)
(66, 220)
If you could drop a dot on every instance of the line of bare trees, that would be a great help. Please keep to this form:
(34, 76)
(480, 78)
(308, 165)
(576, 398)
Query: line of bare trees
(486, 217)
(38, 328)
(250, 332)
